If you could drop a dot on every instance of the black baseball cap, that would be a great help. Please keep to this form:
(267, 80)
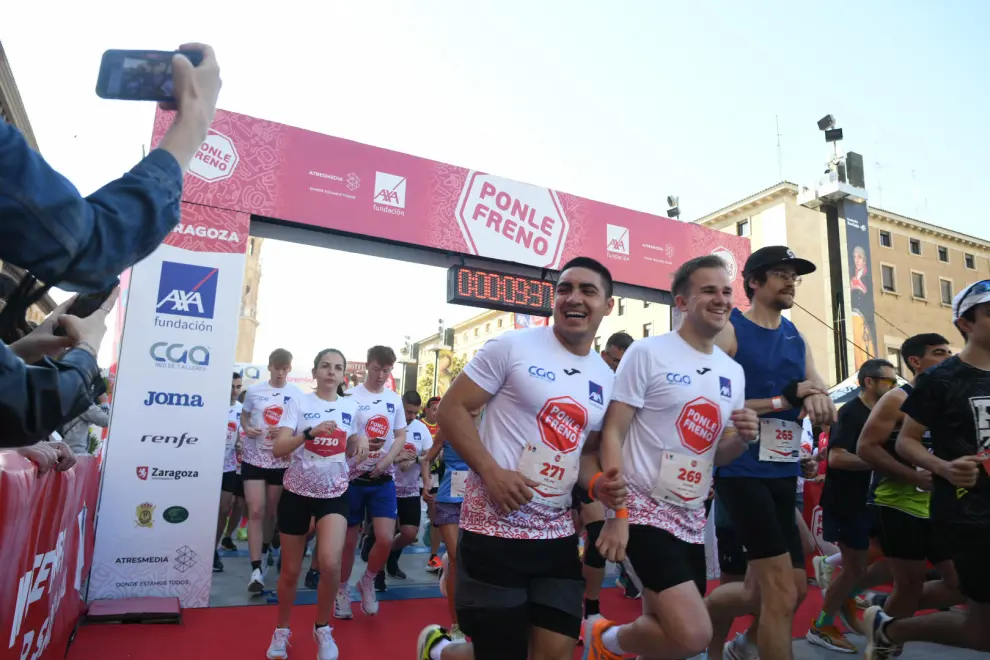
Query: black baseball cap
(776, 255)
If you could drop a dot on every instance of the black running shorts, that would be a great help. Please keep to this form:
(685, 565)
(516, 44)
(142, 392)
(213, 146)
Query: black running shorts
(903, 536)
(295, 511)
(762, 512)
(657, 560)
(505, 586)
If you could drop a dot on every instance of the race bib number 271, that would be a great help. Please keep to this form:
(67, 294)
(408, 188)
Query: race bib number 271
(554, 472)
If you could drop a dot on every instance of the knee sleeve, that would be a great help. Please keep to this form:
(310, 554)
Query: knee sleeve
(592, 557)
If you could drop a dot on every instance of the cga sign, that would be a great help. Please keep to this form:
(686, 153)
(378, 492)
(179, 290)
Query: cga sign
(177, 356)
(512, 221)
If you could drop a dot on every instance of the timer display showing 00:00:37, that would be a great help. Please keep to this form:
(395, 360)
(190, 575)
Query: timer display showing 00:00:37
(501, 291)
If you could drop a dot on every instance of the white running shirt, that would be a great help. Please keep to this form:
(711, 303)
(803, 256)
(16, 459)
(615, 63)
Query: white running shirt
(266, 405)
(319, 466)
(418, 441)
(545, 400)
(378, 416)
(684, 399)
(233, 429)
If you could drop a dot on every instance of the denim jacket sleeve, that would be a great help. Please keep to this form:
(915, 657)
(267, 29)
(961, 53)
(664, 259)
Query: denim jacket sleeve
(48, 228)
(36, 399)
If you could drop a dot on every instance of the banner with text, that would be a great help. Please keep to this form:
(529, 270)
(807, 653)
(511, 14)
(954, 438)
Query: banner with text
(862, 327)
(298, 176)
(46, 523)
(163, 459)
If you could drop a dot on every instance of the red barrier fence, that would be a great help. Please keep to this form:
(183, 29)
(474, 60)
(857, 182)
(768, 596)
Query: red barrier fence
(46, 532)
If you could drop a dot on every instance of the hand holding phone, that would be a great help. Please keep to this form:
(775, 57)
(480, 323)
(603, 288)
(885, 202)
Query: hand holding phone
(85, 305)
(140, 75)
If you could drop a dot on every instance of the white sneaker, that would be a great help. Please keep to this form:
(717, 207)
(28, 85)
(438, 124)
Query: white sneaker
(589, 621)
(278, 649)
(327, 647)
(823, 573)
(342, 604)
(257, 583)
(369, 599)
(739, 648)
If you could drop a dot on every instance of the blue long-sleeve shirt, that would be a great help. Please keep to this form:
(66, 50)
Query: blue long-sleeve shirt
(77, 243)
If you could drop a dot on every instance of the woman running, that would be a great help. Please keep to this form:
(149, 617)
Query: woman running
(318, 431)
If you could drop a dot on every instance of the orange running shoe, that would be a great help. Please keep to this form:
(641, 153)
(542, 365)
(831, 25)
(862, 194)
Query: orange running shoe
(434, 565)
(594, 649)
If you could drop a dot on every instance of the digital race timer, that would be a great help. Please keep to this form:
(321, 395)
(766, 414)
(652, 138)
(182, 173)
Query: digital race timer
(478, 287)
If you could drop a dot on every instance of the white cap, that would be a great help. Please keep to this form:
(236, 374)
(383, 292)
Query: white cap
(973, 295)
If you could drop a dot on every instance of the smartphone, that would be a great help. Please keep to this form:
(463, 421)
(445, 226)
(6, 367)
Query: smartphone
(85, 304)
(139, 75)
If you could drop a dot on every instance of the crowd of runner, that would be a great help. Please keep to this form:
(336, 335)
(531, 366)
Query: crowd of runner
(541, 441)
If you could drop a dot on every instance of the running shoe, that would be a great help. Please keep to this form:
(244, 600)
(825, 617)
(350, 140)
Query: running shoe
(829, 637)
(278, 649)
(257, 583)
(312, 580)
(326, 647)
(228, 544)
(740, 648)
(586, 627)
(871, 598)
(217, 564)
(342, 604)
(878, 647)
(457, 635)
(369, 599)
(428, 638)
(594, 648)
(849, 614)
(434, 565)
(823, 572)
(380, 585)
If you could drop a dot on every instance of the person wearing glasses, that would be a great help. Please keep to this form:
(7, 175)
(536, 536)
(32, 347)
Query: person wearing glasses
(759, 489)
(382, 419)
(846, 518)
(951, 402)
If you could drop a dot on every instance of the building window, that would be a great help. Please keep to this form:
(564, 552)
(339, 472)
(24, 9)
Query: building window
(894, 357)
(918, 285)
(970, 262)
(742, 228)
(598, 344)
(887, 275)
(646, 303)
(915, 246)
(465, 336)
(647, 329)
(488, 328)
(945, 287)
(622, 306)
(476, 331)
(500, 323)
(885, 239)
(251, 246)
(943, 254)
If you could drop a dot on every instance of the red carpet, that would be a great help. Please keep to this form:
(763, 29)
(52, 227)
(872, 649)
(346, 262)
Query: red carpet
(246, 631)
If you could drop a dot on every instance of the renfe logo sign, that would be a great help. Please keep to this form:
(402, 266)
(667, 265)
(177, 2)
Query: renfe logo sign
(512, 221)
(187, 290)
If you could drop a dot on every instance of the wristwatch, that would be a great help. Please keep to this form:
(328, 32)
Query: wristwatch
(306, 433)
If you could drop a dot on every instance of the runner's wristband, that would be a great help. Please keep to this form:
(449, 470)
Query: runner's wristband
(622, 514)
(790, 393)
(591, 486)
(777, 403)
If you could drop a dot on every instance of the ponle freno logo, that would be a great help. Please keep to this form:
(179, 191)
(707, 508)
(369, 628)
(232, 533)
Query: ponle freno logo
(179, 356)
(390, 193)
(617, 242)
(512, 221)
(187, 290)
(730, 261)
(216, 158)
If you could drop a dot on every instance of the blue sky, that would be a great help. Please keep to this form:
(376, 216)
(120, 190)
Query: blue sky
(624, 102)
